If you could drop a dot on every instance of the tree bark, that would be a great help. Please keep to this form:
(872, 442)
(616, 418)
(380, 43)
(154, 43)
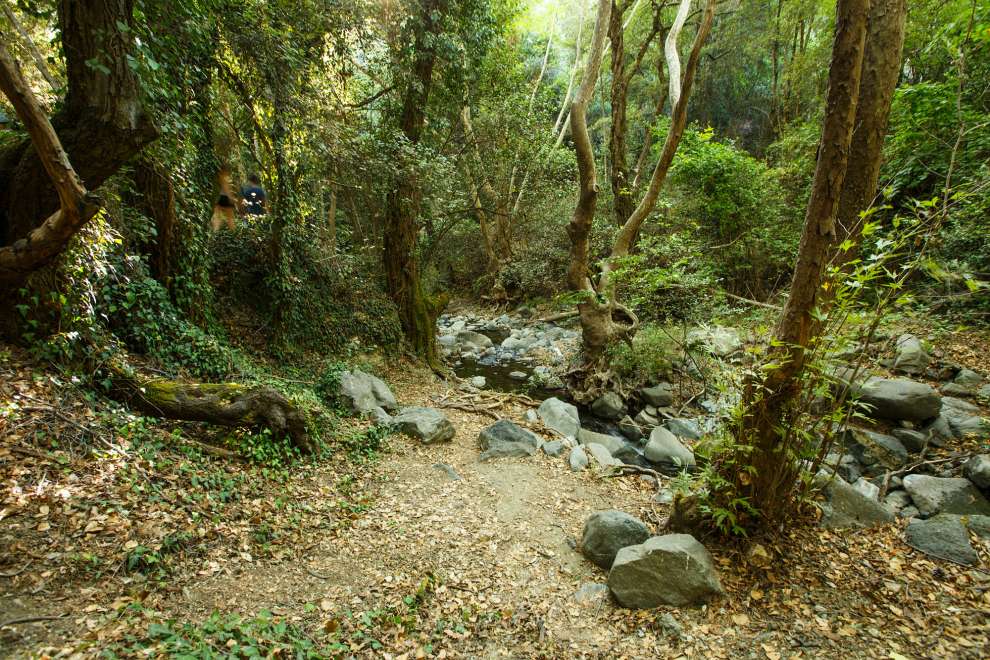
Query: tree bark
(766, 421)
(102, 124)
(417, 311)
(156, 200)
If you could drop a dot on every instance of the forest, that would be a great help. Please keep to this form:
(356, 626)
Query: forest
(495, 328)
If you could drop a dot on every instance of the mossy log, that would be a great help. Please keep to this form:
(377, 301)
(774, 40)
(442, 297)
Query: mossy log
(224, 404)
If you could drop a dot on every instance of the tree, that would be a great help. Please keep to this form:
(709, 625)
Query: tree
(863, 72)
(604, 321)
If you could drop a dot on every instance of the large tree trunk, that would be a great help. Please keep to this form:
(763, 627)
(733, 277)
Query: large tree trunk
(622, 198)
(156, 199)
(417, 312)
(768, 400)
(102, 123)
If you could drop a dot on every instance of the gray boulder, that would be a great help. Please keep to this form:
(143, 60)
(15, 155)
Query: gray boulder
(560, 416)
(607, 532)
(664, 447)
(428, 425)
(473, 341)
(964, 418)
(934, 495)
(602, 455)
(952, 389)
(671, 570)
(870, 447)
(381, 417)
(659, 395)
(364, 392)
(609, 406)
(578, 460)
(911, 356)
(898, 398)
(847, 507)
(629, 428)
(504, 439)
(478, 381)
(683, 428)
(977, 470)
(913, 441)
(968, 379)
(610, 442)
(868, 489)
(554, 448)
(944, 537)
(645, 419)
(984, 392)
(897, 500)
(719, 340)
(910, 511)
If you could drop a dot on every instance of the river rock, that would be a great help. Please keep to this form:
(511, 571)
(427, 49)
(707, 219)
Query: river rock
(660, 395)
(505, 439)
(664, 447)
(630, 429)
(610, 442)
(867, 488)
(977, 470)
(897, 500)
(601, 455)
(913, 441)
(934, 495)
(673, 569)
(473, 341)
(968, 379)
(719, 340)
(964, 418)
(364, 392)
(898, 398)
(428, 425)
(478, 381)
(944, 536)
(560, 416)
(911, 356)
(683, 428)
(578, 459)
(848, 507)
(609, 406)
(645, 419)
(607, 532)
(870, 447)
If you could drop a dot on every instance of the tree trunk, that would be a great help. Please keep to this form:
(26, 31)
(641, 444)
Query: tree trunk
(156, 199)
(102, 123)
(622, 199)
(766, 420)
(417, 312)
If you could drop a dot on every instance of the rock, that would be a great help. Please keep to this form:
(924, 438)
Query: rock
(939, 432)
(631, 455)
(428, 425)
(909, 512)
(554, 448)
(504, 439)
(560, 416)
(610, 442)
(659, 395)
(849, 468)
(934, 495)
(602, 455)
(609, 406)
(473, 341)
(665, 496)
(896, 500)
(448, 470)
(524, 312)
(664, 570)
(629, 428)
(871, 447)
(364, 392)
(531, 416)
(952, 389)
(607, 532)
(683, 428)
(898, 398)
(911, 356)
(664, 447)
(984, 392)
(944, 537)
(478, 381)
(646, 420)
(578, 459)
(968, 378)
(381, 417)
(964, 419)
(979, 525)
(913, 441)
(867, 489)
(848, 507)
(977, 470)
(590, 592)
(719, 340)
(669, 626)
(518, 375)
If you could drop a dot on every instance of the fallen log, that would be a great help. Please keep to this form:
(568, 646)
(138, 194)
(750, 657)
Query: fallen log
(224, 404)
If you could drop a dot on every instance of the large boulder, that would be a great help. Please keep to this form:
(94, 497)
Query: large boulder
(610, 442)
(719, 340)
(602, 455)
(470, 340)
(664, 448)
(914, 441)
(870, 448)
(944, 537)
(848, 507)
(629, 428)
(660, 395)
(609, 406)
(607, 532)
(664, 570)
(934, 495)
(911, 356)
(964, 418)
(560, 416)
(977, 470)
(898, 398)
(683, 428)
(428, 425)
(969, 379)
(364, 392)
(578, 459)
(504, 439)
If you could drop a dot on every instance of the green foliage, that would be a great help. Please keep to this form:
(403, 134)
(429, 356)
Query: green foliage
(648, 359)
